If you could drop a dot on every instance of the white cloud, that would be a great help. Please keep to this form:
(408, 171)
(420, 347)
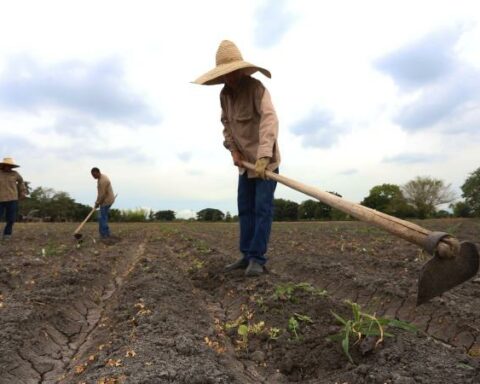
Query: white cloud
(318, 129)
(96, 91)
(444, 85)
(273, 20)
(422, 62)
(107, 84)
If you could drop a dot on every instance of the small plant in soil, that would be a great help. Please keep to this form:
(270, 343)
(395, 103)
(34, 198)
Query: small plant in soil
(52, 250)
(273, 333)
(245, 330)
(196, 265)
(286, 292)
(259, 302)
(364, 325)
(202, 247)
(293, 326)
(294, 323)
(242, 331)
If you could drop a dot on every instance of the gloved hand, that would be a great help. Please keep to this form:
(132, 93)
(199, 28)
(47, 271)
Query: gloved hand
(260, 166)
(97, 205)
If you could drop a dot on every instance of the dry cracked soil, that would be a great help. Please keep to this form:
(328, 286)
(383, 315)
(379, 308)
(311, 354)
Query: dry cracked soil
(156, 307)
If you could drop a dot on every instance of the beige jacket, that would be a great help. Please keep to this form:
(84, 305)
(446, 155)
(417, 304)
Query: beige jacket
(11, 186)
(105, 194)
(250, 123)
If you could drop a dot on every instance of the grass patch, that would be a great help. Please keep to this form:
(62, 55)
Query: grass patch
(286, 292)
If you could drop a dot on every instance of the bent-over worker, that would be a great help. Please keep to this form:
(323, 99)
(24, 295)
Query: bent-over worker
(250, 130)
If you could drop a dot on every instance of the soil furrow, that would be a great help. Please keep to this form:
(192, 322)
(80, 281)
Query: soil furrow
(334, 285)
(158, 308)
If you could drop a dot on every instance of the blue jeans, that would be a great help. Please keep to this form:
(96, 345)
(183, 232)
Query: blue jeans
(9, 209)
(255, 213)
(103, 221)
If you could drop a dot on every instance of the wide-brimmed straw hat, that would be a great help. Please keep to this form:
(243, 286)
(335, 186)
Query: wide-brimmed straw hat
(228, 59)
(9, 161)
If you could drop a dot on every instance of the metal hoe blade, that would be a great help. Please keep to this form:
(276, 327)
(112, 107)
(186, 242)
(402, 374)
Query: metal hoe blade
(441, 274)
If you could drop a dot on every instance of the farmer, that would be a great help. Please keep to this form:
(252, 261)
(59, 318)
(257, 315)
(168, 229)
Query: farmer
(12, 188)
(250, 130)
(105, 199)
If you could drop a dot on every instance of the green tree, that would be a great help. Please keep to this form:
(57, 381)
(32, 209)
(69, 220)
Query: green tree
(306, 210)
(167, 215)
(323, 211)
(115, 215)
(210, 214)
(471, 192)
(285, 210)
(426, 193)
(461, 209)
(228, 217)
(388, 198)
(442, 213)
(338, 215)
(53, 205)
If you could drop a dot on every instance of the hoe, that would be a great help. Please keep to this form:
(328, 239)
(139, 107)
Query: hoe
(453, 262)
(77, 233)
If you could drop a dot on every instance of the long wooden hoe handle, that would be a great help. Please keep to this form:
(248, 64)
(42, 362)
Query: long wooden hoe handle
(448, 246)
(84, 221)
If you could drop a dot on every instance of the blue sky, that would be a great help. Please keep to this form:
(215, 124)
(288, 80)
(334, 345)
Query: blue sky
(366, 92)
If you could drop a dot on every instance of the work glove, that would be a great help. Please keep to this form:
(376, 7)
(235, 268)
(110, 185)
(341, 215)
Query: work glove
(97, 205)
(261, 166)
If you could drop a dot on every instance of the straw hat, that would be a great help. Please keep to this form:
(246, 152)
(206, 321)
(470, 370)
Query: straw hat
(228, 59)
(9, 161)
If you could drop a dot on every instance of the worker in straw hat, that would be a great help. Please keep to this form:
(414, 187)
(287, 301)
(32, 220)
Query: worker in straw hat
(12, 188)
(250, 130)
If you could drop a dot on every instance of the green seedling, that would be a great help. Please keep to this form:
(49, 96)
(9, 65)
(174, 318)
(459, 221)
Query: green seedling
(303, 318)
(244, 330)
(196, 265)
(52, 250)
(294, 323)
(363, 325)
(293, 326)
(202, 247)
(243, 333)
(256, 328)
(274, 333)
(260, 302)
(285, 292)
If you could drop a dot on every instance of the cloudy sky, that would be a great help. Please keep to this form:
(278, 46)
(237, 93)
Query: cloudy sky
(367, 92)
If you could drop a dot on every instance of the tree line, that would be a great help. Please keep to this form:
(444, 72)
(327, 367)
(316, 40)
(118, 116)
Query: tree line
(419, 198)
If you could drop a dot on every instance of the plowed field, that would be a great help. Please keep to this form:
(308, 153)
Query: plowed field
(156, 307)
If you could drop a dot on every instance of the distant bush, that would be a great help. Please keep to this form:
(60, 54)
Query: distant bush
(133, 215)
(210, 214)
(471, 192)
(461, 209)
(48, 204)
(167, 215)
